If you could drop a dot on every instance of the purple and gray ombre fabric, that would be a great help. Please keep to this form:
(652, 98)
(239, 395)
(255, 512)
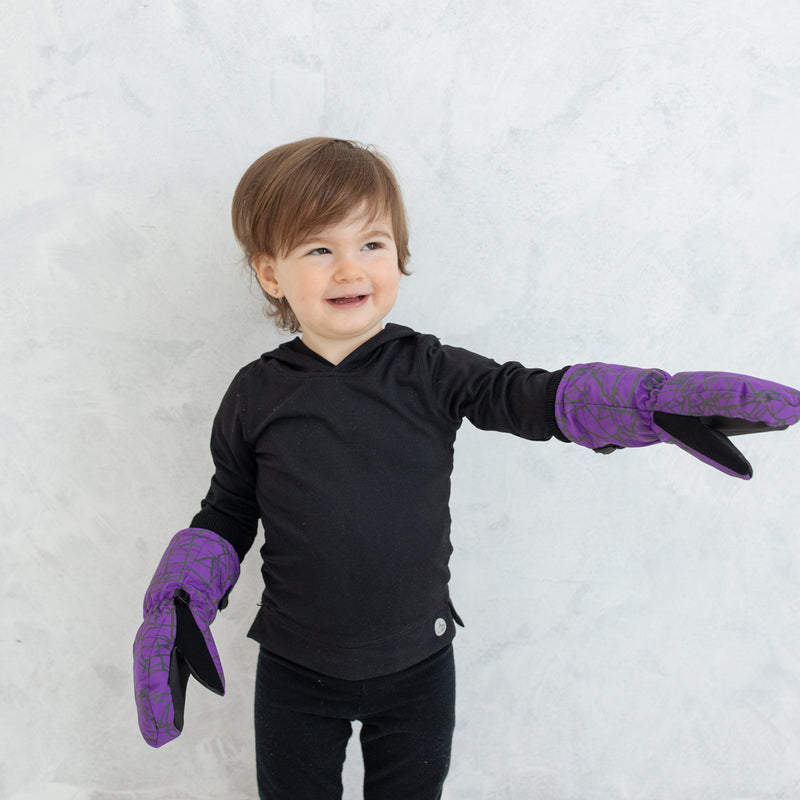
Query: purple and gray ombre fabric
(600, 405)
(195, 574)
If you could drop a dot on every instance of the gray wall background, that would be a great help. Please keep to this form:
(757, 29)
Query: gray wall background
(614, 181)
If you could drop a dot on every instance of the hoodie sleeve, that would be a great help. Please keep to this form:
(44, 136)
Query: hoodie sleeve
(500, 397)
(230, 508)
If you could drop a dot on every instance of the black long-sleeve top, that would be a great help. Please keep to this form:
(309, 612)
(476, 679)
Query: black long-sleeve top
(348, 468)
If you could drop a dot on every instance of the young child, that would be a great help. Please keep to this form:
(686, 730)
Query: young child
(341, 443)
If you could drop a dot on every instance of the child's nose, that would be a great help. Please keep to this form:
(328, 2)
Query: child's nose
(348, 269)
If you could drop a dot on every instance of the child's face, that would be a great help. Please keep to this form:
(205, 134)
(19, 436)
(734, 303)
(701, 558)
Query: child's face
(341, 283)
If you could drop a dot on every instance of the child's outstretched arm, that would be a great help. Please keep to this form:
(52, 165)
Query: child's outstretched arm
(606, 406)
(193, 580)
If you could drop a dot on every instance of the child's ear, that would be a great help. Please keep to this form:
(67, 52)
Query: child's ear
(262, 264)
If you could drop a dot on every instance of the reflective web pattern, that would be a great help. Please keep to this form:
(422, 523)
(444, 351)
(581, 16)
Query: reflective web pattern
(206, 567)
(601, 404)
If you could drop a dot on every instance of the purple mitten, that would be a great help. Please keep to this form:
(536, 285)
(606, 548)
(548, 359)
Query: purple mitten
(606, 406)
(193, 579)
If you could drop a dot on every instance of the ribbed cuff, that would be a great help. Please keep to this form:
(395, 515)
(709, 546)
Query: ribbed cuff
(550, 399)
(240, 538)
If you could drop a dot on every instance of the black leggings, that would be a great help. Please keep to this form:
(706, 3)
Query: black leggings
(303, 721)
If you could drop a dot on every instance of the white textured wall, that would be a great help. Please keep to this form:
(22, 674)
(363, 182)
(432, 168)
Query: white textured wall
(615, 180)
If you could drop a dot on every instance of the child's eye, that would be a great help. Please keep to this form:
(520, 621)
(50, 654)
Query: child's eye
(373, 245)
(318, 251)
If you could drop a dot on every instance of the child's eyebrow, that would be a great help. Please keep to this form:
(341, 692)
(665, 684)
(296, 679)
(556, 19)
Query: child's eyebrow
(320, 236)
(377, 232)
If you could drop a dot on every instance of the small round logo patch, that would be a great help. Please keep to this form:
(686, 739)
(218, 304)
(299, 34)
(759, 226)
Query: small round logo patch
(439, 627)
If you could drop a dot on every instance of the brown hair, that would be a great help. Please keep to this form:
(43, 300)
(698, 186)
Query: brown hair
(297, 189)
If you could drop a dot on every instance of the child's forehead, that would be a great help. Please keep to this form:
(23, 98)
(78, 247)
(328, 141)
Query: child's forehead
(357, 220)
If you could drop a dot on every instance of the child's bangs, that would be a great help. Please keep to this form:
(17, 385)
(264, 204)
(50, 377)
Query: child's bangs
(343, 186)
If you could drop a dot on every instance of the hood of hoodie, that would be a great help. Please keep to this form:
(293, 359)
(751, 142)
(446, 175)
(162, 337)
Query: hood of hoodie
(297, 356)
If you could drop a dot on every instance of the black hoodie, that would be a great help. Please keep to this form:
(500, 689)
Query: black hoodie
(348, 467)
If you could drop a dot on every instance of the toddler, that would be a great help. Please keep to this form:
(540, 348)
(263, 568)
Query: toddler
(341, 442)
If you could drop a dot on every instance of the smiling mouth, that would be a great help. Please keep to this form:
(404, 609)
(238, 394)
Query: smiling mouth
(347, 301)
